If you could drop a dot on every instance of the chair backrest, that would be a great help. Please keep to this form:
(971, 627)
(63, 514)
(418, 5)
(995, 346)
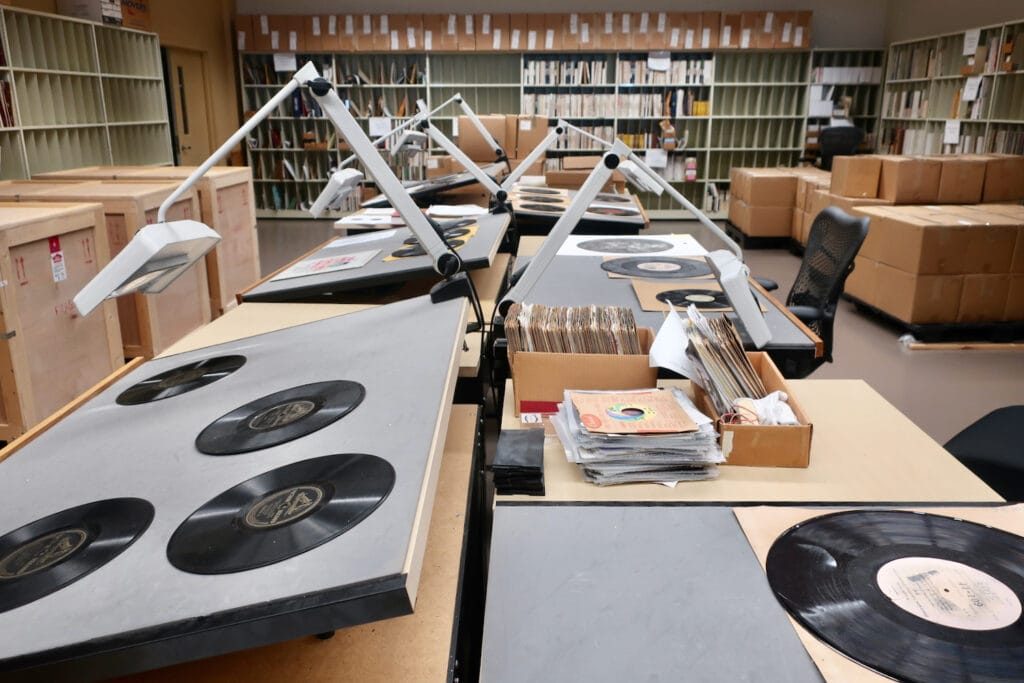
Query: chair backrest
(838, 141)
(833, 242)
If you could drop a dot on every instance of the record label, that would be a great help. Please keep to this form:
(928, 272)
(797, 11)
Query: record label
(281, 415)
(284, 507)
(949, 593)
(42, 553)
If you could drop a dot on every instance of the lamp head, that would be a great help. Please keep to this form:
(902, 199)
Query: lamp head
(338, 185)
(410, 142)
(639, 177)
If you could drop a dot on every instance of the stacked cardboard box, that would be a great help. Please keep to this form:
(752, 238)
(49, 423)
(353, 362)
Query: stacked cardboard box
(809, 180)
(761, 201)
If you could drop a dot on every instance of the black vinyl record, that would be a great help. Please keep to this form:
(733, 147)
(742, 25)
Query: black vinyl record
(708, 299)
(280, 417)
(612, 211)
(418, 250)
(657, 267)
(547, 200)
(50, 553)
(917, 597)
(625, 245)
(609, 197)
(457, 224)
(541, 207)
(180, 380)
(281, 513)
(448, 235)
(537, 190)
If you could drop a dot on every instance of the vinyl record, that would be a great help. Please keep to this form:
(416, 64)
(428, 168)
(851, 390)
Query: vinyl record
(626, 245)
(705, 299)
(547, 200)
(657, 267)
(44, 556)
(280, 417)
(418, 250)
(915, 596)
(448, 235)
(281, 513)
(612, 211)
(609, 197)
(457, 224)
(538, 190)
(541, 207)
(180, 380)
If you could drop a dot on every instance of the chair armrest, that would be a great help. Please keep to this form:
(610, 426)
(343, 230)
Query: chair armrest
(807, 314)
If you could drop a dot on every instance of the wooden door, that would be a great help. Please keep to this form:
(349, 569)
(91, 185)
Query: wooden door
(189, 102)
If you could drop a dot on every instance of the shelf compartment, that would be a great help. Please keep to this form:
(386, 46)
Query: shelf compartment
(45, 100)
(61, 148)
(142, 144)
(128, 52)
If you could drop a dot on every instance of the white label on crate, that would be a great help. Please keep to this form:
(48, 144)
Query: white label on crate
(645, 20)
(745, 38)
(769, 19)
(608, 23)
(798, 37)
(394, 40)
(525, 124)
(332, 25)
(705, 38)
(726, 36)
(662, 18)
(688, 40)
(350, 24)
(410, 37)
(451, 24)
(574, 24)
(293, 40)
(585, 33)
(485, 24)
(469, 24)
(625, 22)
(275, 40)
(531, 40)
(673, 38)
(264, 24)
(428, 40)
(515, 39)
(367, 25)
(549, 39)
(57, 265)
(384, 30)
(241, 40)
(496, 43)
(316, 26)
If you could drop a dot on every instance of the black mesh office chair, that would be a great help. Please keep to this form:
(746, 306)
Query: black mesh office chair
(993, 448)
(838, 141)
(833, 242)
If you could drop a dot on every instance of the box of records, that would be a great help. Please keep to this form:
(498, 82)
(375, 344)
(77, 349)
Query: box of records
(746, 440)
(555, 348)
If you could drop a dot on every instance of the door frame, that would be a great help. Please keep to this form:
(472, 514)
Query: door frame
(169, 97)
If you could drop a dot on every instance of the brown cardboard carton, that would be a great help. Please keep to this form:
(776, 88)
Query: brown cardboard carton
(856, 176)
(473, 144)
(751, 25)
(762, 445)
(313, 29)
(447, 37)
(279, 26)
(729, 33)
(412, 36)
(535, 169)
(862, 282)
(805, 229)
(260, 33)
(533, 41)
(710, 25)
(983, 298)
(491, 32)
(659, 39)
(573, 180)
(642, 31)
(1004, 178)
(590, 32)
(689, 31)
(529, 132)
(517, 30)
(909, 180)
(136, 14)
(992, 241)
(586, 162)
(438, 166)
(918, 298)
(1015, 300)
(468, 32)
(851, 204)
(818, 201)
(244, 38)
(1015, 211)
(796, 224)
(875, 241)
(1017, 262)
(802, 29)
(961, 180)
(771, 31)
(805, 184)
(764, 186)
(330, 33)
(784, 24)
(760, 221)
(571, 31)
(540, 380)
(551, 40)
(348, 32)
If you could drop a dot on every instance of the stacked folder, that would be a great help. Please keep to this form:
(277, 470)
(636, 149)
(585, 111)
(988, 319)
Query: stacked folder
(519, 462)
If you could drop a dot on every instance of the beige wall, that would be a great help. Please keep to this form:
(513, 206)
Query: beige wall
(907, 19)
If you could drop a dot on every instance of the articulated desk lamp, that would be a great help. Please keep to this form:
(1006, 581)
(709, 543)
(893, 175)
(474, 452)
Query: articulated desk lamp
(728, 265)
(160, 253)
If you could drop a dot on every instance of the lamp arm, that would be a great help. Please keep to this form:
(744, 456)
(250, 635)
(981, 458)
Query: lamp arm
(499, 153)
(453, 150)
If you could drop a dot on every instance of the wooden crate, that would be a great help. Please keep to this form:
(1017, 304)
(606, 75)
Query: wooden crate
(48, 353)
(227, 205)
(149, 323)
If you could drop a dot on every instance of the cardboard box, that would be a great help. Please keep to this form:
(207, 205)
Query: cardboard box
(348, 38)
(526, 134)
(760, 221)
(659, 38)
(571, 31)
(244, 39)
(472, 143)
(640, 30)
(551, 39)
(863, 280)
(962, 179)
(805, 229)
(818, 201)
(535, 169)
(1004, 178)
(573, 180)
(136, 14)
(103, 11)
(874, 243)
(805, 184)
(784, 23)
(916, 298)
(590, 38)
(751, 25)
(729, 33)
(468, 30)
(446, 32)
(983, 298)
(438, 166)
(856, 176)
(749, 445)
(518, 29)
(491, 32)
(586, 162)
(763, 186)
(771, 31)
(1017, 261)
(991, 244)
(534, 39)
(540, 380)
(909, 180)
(710, 25)
(796, 224)
(917, 245)
(472, 194)
(802, 29)
(851, 205)
(1014, 311)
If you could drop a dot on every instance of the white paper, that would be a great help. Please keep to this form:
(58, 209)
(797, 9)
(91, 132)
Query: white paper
(496, 43)
(971, 40)
(726, 36)
(661, 22)
(394, 41)
(688, 41)
(525, 124)
(451, 24)
(264, 24)
(285, 61)
(681, 245)
(971, 87)
(705, 38)
(350, 26)
(293, 41)
(769, 19)
(241, 40)
(669, 347)
(798, 37)
(316, 26)
(549, 39)
(644, 21)
(585, 33)
(515, 39)
(275, 40)
(531, 40)
(469, 24)
(574, 24)
(384, 25)
(410, 37)
(428, 40)
(367, 26)
(364, 238)
(787, 31)
(656, 158)
(673, 40)
(659, 61)
(379, 125)
(608, 23)
(951, 135)
(456, 210)
(745, 38)
(328, 264)
(625, 22)
(485, 24)
(332, 25)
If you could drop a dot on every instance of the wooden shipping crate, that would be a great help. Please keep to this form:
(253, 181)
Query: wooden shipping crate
(227, 204)
(149, 322)
(48, 353)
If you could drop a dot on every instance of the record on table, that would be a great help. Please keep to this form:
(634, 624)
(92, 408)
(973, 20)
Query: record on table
(541, 207)
(50, 553)
(418, 250)
(281, 513)
(180, 380)
(612, 211)
(547, 200)
(538, 190)
(709, 299)
(447, 234)
(457, 224)
(625, 245)
(657, 267)
(917, 597)
(280, 417)
(609, 197)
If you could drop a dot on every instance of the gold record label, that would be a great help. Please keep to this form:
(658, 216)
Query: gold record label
(42, 553)
(284, 506)
(281, 415)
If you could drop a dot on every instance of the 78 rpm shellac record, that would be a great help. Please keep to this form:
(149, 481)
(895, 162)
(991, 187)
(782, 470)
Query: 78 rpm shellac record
(611, 245)
(612, 211)
(537, 190)
(50, 553)
(657, 267)
(180, 380)
(914, 596)
(280, 417)
(541, 207)
(418, 250)
(704, 298)
(608, 197)
(281, 513)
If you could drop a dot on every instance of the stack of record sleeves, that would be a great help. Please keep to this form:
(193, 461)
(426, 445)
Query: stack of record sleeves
(649, 435)
(519, 462)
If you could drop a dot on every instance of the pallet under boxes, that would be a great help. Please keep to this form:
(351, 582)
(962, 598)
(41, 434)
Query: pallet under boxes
(48, 353)
(149, 323)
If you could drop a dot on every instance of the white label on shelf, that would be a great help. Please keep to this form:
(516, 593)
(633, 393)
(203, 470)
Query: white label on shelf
(451, 24)
(241, 40)
(549, 39)
(726, 36)
(531, 40)
(662, 19)
(485, 24)
(379, 125)
(384, 25)
(515, 39)
(951, 135)
(769, 19)
(787, 31)
(525, 124)
(625, 22)
(971, 40)
(688, 40)
(316, 26)
(428, 40)
(971, 87)
(574, 24)
(645, 19)
(656, 158)
(585, 33)
(275, 40)
(367, 26)
(705, 38)
(410, 37)
(394, 40)
(350, 24)
(609, 24)
(798, 37)
(673, 38)
(293, 40)
(496, 43)
(469, 24)
(264, 24)
(433, 163)
(285, 61)
(332, 25)
(57, 264)
(745, 38)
